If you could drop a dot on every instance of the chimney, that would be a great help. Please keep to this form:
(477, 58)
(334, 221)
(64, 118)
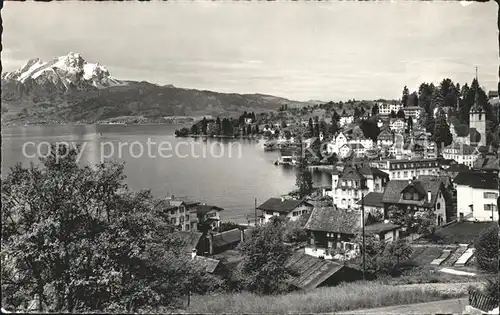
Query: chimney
(428, 196)
(193, 254)
(210, 244)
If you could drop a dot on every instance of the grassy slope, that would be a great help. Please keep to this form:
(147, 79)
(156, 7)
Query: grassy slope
(344, 297)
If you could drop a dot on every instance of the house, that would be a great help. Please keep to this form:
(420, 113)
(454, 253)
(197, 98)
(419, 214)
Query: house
(373, 204)
(191, 242)
(345, 119)
(413, 112)
(407, 169)
(345, 151)
(332, 230)
(209, 214)
(367, 143)
(487, 163)
(284, 208)
(312, 272)
(459, 132)
(477, 194)
(385, 138)
(189, 215)
(349, 185)
(422, 195)
(462, 153)
(181, 212)
(397, 125)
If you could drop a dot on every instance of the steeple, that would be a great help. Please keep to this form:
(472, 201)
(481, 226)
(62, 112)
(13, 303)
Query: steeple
(476, 107)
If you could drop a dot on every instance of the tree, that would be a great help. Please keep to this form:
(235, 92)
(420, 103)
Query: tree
(357, 113)
(487, 249)
(370, 129)
(375, 109)
(203, 126)
(304, 181)
(392, 114)
(310, 128)
(249, 129)
(404, 99)
(442, 134)
(402, 217)
(413, 99)
(400, 114)
(283, 124)
(263, 268)
(425, 222)
(80, 240)
(410, 124)
(194, 129)
(294, 230)
(218, 126)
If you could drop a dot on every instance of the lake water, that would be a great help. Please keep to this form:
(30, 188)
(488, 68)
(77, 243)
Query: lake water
(229, 174)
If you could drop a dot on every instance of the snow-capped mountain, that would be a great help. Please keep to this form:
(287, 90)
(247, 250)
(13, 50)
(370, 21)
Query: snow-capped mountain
(62, 73)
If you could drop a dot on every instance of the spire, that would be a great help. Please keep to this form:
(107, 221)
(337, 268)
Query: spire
(476, 106)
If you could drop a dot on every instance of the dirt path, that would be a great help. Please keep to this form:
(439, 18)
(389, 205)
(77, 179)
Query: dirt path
(453, 306)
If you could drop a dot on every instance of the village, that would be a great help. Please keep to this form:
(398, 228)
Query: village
(391, 178)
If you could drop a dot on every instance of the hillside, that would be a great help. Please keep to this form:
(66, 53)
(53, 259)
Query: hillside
(70, 90)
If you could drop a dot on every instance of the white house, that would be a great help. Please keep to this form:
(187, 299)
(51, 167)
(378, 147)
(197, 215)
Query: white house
(340, 140)
(285, 208)
(477, 194)
(413, 112)
(344, 151)
(397, 125)
(386, 109)
(365, 142)
(346, 120)
(461, 153)
(385, 138)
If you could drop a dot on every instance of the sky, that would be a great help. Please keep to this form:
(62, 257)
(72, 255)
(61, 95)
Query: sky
(298, 50)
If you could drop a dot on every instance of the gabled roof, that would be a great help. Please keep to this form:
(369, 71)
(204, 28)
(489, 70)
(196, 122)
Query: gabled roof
(204, 209)
(350, 172)
(380, 227)
(478, 180)
(210, 264)
(229, 237)
(487, 163)
(332, 219)
(373, 199)
(366, 170)
(311, 271)
(279, 205)
(190, 239)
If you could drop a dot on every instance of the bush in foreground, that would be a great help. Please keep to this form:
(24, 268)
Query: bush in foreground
(344, 297)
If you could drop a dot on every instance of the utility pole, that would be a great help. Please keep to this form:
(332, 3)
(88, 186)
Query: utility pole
(363, 219)
(255, 208)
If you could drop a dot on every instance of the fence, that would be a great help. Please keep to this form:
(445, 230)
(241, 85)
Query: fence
(481, 301)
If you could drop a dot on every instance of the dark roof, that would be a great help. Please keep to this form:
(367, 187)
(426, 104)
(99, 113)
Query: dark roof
(366, 170)
(457, 168)
(394, 188)
(311, 271)
(210, 264)
(332, 219)
(373, 199)
(229, 237)
(279, 205)
(177, 201)
(477, 180)
(350, 172)
(190, 239)
(204, 209)
(487, 163)
(380, 227)
(446, 180)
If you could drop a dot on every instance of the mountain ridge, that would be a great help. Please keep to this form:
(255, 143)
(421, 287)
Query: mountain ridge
(68, 89)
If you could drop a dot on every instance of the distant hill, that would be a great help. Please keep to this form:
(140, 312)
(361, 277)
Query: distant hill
(68, 89)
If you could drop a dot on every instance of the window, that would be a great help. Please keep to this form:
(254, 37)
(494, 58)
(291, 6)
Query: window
(438, 206)
(405, 174)
(187, 217)
(172, 212)
(489, 207)
(490, 195)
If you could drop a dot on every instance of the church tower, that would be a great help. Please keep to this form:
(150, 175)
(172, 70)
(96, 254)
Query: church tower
(477, 120)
